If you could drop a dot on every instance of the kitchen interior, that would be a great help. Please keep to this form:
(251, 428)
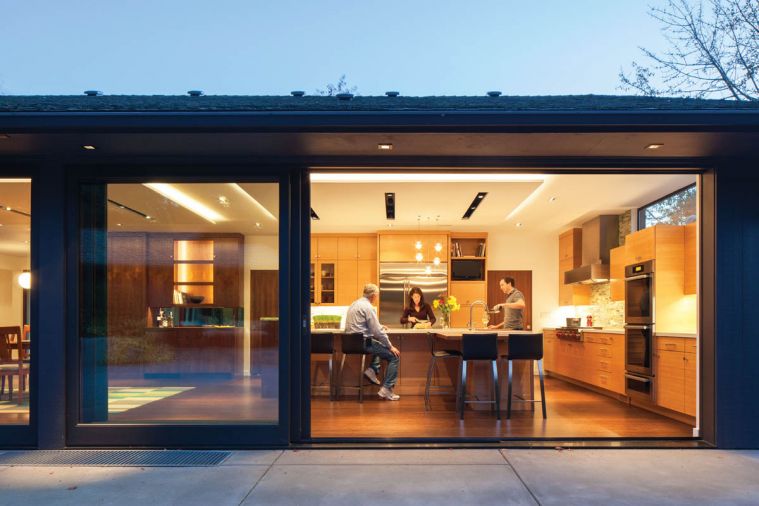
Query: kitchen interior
(607, 264)
(15, 285)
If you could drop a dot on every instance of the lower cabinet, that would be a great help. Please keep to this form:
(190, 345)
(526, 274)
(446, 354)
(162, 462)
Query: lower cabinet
(598, 360)
(675, 373)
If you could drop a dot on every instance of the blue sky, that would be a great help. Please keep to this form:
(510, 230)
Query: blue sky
(257, 47)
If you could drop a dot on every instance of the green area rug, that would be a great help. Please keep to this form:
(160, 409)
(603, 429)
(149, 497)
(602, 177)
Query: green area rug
(120, 399)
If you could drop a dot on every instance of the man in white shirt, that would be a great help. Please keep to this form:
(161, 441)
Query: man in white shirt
(362, 319)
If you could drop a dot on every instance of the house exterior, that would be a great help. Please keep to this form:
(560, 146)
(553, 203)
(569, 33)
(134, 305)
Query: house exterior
(138, 139)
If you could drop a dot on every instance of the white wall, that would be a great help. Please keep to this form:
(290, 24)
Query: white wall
(525, 251)
(261, 253)
(11, 294)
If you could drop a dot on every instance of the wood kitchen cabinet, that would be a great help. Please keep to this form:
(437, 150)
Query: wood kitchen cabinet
(675, 373)
(401, 247)
(690, 258)
(617, 273)
(570, 257)
(160, 270)
(598, 360)
(340, 267)
(127, 284)
(347, 282)
(227, 271)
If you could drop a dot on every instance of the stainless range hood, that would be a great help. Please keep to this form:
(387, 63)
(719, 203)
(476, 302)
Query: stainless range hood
(599, 236)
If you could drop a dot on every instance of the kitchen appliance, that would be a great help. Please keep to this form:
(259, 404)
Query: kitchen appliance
(397, 279)
(572, 333)
(639, 293)
(573, 322)
(467, 270)
(599, 236)
(639, 330)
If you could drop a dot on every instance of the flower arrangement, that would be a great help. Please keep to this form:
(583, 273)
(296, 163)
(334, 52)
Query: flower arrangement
(446, 305)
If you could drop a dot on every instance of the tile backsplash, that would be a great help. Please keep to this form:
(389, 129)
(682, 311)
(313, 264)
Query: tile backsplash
(606, 312)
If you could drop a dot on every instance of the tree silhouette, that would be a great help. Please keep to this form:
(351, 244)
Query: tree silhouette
(340, 87)
(714, 51)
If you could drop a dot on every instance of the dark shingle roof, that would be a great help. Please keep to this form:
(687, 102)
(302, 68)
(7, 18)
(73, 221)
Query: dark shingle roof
(222, 103)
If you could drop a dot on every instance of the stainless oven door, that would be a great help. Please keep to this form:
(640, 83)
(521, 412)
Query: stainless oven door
(639, 299)
(639, 387)
(639, 343)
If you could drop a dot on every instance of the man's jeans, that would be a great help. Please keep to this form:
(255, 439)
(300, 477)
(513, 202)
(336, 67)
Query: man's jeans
(379, 352)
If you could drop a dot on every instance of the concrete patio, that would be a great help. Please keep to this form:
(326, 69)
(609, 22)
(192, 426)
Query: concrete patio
(376, 477)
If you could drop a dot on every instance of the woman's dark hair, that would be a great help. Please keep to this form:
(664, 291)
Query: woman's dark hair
(411, 293)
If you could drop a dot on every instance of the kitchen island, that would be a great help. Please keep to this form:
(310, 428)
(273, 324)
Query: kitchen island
(415, 360)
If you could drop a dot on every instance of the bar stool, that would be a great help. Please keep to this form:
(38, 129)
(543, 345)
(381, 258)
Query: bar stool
(526, 347)
(479, 347)
(324, 344)
(435, 355)
(353, 344)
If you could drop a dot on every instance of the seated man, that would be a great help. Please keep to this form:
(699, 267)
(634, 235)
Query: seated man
(361, 319)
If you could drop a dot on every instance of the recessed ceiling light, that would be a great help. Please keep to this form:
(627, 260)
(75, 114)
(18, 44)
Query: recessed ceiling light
(258, 225)
(385, 146)
(654, 146)
(8, 209)
(148, 217)
(118, 224)
(89, 147)
(553, 199)
(520, 224)
(224, 201)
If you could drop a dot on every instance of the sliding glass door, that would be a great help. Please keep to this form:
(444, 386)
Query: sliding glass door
(181, 336)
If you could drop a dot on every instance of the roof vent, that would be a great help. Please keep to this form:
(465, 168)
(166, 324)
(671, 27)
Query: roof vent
(344, 96)
(297, 93)
(93, 93)
(392, 93)
(195, 93)
(494, 93)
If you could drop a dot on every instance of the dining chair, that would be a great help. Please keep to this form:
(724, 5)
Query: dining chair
(10, 366)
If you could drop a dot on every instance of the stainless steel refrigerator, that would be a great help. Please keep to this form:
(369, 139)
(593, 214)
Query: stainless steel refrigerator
(397, 279)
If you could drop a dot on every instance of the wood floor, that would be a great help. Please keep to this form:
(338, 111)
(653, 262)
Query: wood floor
(572, 412)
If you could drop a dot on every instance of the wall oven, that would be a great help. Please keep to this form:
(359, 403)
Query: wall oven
(639, 331)
(639, 293)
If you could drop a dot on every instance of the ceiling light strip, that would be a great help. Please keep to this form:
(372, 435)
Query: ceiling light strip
(239, 189)
(184, 200)
(127, 208)
(422, 177)
(474, 205)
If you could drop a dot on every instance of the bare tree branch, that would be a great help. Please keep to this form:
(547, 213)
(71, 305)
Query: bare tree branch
(714, 51)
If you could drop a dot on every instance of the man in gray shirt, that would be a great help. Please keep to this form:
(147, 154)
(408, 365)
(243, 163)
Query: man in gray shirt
(362, 319)
(513, 307)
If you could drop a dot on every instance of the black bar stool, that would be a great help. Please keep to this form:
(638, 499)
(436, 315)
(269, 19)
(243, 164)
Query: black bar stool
(353, 344)
(324, 344)
(526, 347)
(435, 355)
(479, 347)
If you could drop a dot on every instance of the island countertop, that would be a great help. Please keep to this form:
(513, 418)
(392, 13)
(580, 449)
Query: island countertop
(453, 332)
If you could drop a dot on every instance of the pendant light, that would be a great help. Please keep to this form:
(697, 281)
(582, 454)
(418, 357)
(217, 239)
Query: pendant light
(418, 244)
(438, 245)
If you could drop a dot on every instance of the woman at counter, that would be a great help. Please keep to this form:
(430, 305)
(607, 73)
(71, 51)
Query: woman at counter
(417, 310)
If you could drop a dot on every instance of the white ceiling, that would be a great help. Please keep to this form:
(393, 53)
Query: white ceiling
(241, 214)
(360, 207)
(15, 228)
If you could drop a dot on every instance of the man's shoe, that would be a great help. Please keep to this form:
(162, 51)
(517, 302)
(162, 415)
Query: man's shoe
(386, 393)
(369, 373)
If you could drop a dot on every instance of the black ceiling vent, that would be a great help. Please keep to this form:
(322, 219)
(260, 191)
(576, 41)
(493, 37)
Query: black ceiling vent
(93, 93)
(195, 93)
(344, 96)
(314, 216)
(390, 206)
(297, 93)
(392, 94)
(473, 206)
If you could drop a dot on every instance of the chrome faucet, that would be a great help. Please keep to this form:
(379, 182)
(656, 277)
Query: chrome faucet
(471, 308)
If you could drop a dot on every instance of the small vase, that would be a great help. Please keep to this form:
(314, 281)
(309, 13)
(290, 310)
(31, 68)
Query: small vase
(446, 321)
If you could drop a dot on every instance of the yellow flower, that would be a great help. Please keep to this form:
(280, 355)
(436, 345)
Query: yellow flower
(457, 307)
(435, 304)
(452, 300)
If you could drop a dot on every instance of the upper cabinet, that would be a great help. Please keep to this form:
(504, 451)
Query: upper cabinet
(617, 273)
(570, 257)
(402, 247)
(690, 249)
(640, 246)
(340, 266)
(366, 247)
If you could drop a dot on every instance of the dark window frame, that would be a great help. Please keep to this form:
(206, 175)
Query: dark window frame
(642, 209)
